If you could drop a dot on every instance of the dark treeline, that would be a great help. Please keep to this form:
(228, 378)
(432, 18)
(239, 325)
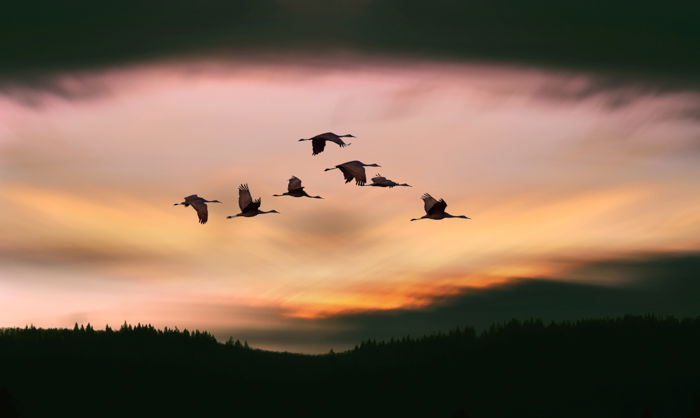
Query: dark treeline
(625, 367)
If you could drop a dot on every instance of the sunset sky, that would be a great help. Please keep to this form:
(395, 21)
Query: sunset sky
(568, 178)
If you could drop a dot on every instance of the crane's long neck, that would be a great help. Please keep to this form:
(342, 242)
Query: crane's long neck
(346, 136)
(308, 195)
(447, 215)
(332, 168)
(405, 185)
(418, 219)
(283, 194)
(263, 212)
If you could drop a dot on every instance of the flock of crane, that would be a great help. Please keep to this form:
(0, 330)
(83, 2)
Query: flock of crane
(352, 170)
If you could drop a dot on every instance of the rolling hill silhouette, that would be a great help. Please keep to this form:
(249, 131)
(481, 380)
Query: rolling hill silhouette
(620, 367)
(658, 284)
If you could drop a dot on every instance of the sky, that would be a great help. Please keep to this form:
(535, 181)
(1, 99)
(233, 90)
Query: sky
(581, 179)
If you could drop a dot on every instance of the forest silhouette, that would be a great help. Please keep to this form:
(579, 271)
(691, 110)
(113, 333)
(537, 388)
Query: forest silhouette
(631, 366)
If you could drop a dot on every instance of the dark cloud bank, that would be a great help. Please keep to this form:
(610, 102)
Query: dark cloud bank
(646, 38)
(664, 285)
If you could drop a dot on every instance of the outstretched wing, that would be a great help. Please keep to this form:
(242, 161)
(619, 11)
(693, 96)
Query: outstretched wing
(201, 208)
(439, 207)
(318, 144)
(383, 181)
(432, 205)
(428, 201)
(191, 198)
(252, 206)
(294, 184)
(346, 173)
(328, 136)
(338, 141)
(351, 170)
(378, 179)
(244, 198)
(358, 171)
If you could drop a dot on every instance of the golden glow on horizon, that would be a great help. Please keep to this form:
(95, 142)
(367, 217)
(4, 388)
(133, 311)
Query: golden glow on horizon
(89, 231)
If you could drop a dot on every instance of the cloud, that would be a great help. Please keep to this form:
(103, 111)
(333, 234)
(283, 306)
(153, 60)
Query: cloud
(654, 100)
(34, 91)
(613, 93)
(662, 285)
(635, 37)
(59, 254)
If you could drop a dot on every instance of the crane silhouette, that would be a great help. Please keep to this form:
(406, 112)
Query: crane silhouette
(249, 207)
(379, 181)
(318, 142)
(354, 170)
(435, 209)
(200, 206)
(295, 189)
